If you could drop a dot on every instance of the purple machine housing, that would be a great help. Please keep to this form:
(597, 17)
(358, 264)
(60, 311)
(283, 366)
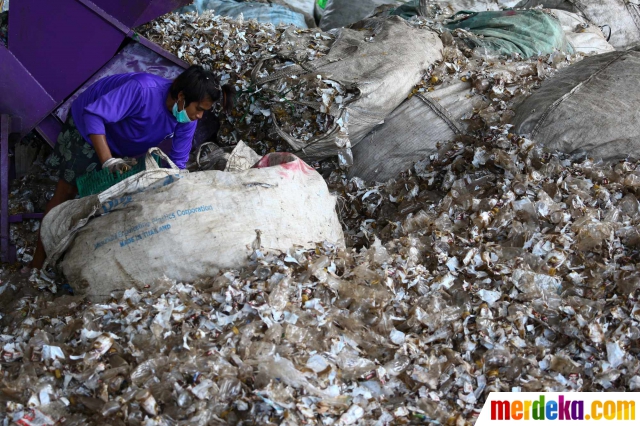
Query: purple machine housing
(58, 48)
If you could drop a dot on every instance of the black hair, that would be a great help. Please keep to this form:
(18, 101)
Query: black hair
(198, 84)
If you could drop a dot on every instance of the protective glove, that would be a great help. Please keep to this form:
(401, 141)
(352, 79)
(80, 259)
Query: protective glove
(118, 165)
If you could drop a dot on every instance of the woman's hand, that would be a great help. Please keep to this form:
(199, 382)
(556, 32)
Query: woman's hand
(116, 165)
(104, 154)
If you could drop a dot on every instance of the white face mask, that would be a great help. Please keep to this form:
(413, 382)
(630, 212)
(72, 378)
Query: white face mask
(181, 116)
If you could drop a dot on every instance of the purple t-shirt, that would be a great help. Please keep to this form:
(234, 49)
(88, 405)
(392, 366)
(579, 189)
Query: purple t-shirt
(131, 111)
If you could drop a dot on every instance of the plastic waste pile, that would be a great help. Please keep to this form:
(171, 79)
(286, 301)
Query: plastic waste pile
(306, 110)
(490, 265)
(495, 84)
(543, 244)
(464, 93)
(234, 49)
(493, 266)
(29, 193)
(323, 104)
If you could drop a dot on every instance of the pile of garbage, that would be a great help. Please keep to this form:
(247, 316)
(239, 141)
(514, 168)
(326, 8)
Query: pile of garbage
(490, 265)
(465, 93)
(308, 88)
(493, 266)
(29, 193)
(293, 95)
(233, 49)
(495, 85)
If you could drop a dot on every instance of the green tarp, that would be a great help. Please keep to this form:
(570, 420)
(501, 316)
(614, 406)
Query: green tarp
(526, 32)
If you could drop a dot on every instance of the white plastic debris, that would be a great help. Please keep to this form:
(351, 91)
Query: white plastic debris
(397, 337)
(317, 363)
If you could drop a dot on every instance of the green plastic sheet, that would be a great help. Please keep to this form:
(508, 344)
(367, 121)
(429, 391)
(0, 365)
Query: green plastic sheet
(526, 32)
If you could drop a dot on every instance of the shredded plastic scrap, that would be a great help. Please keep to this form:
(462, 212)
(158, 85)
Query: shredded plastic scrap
(495, 83)
(491, 266)
(29, 193)
(243, 52)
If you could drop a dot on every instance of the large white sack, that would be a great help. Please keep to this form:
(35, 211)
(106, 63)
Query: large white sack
(188, 226)
(591, 107)
(384, 69)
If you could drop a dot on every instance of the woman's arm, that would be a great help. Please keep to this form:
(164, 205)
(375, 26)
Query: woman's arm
(182, 143)
(99, 143)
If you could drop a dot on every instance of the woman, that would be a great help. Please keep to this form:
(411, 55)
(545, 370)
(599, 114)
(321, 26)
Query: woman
(123, 116)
